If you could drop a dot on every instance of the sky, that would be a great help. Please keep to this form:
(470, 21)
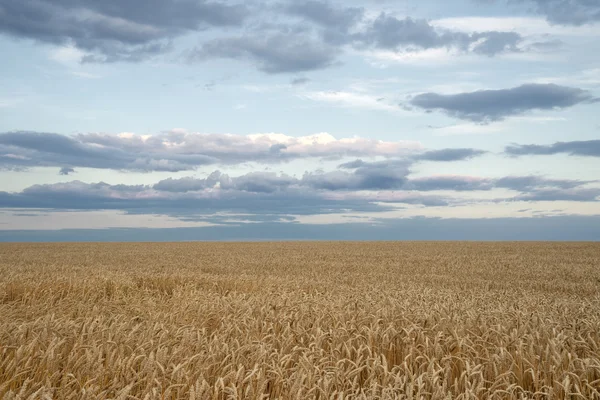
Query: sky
(284, 120)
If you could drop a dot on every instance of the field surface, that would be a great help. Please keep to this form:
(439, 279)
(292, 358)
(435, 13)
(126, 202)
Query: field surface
(300, 321)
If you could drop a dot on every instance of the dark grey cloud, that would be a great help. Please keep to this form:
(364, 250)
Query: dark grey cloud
(562, 12)
(389, 32)
(66, 171)
(357, 187)
(394, 175)
(576, 194)
(537, 188)
(260, 182)
(323, 31)
(299, 81)
(588, 148)
(382, 175)
(442, 155)
(327, 15)
(494, 105)
(450, 154)
(456, 183)
(188, 184)
(115, 30)
(532, 182)
(549, 228)
(28, 149)
(334, 25)
(141, 199)
(348, 25)
(569, 12)
(494, 42)
(276, 38)
(173, 151)
(256, 182)
(272, 53)
(353, 164)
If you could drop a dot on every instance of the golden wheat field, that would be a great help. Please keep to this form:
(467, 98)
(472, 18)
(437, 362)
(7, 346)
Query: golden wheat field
(300, 321)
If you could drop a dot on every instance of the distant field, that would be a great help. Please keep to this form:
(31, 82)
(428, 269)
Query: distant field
(300, 321)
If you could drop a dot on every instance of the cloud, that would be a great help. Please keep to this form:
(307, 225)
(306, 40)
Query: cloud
(395, 175)
(580, 194)
(532, 182)
(450, 154)
(320, 32)
(115, 30)
(485, 106)
(389, 32)
(188, 184)
(299, 81)
(359, 186)
(273, 54)
(442, 155)
(456, 183)
(180, 151)
(566, 12)
(260, 182)
(66, 171)
(588, 148)
(324, 14)
(536, 188)
(276, 38)
(352, 99)
(380, 175)
(189, 198)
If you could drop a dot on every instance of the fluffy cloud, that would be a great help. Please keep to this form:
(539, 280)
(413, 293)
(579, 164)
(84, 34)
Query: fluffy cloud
(532, 182)
(579, 194)
(563, 12)
(282, 48)
(356, 187)
(327, 15)
(495, 105)
(275, 53)
(589, 148)
(389, 32)
(569, 12)
(115, 30)
(276, 38)
(180, 151)
(450, 154)
(181, 201)
(66, 171)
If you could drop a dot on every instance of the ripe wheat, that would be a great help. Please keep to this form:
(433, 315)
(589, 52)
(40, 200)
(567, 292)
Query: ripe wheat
(300, 321)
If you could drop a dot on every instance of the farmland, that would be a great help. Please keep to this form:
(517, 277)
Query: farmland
(413, 320)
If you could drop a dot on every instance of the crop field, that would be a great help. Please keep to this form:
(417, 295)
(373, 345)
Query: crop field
(328, 320)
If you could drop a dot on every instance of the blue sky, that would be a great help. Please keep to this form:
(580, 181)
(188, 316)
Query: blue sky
(474, 119)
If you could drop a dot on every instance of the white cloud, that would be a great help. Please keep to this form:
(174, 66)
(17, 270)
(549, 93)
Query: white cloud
(487, 129)
(69, 55)
(522, 25)
(180, 150)
(86, 75)
(352, 99)
(468, 129)
(433, 57)
(471, 210)
(6, 103)
(588, 78)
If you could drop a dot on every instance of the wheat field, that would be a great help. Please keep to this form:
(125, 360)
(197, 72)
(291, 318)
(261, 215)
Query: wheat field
(300, 321)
